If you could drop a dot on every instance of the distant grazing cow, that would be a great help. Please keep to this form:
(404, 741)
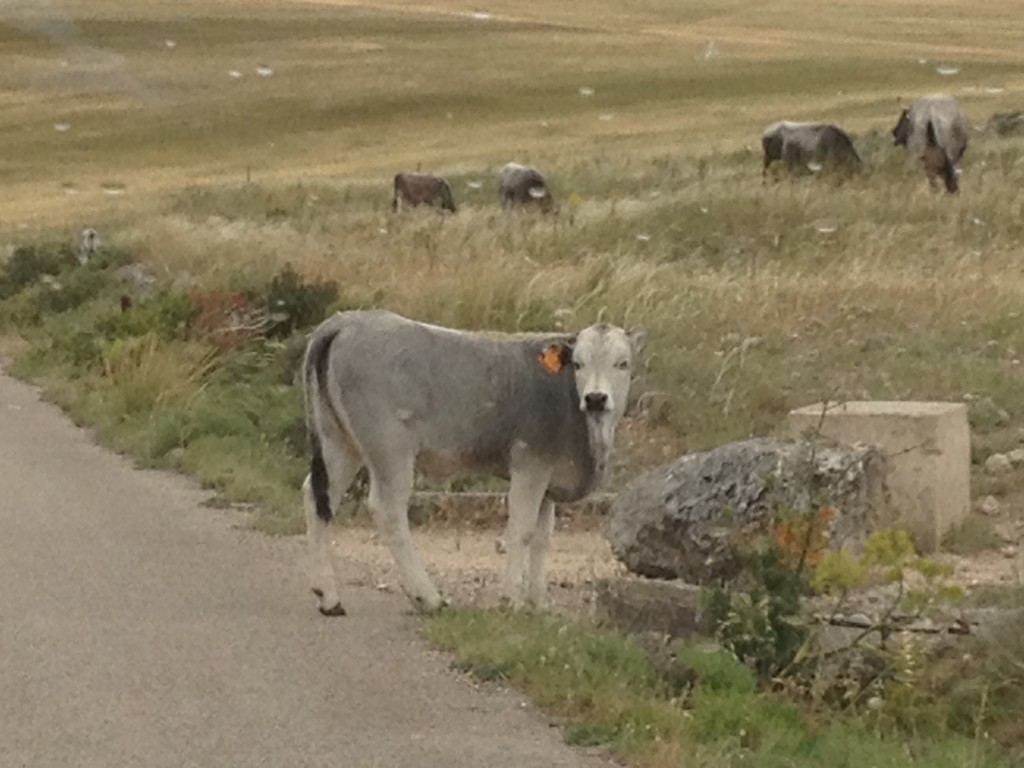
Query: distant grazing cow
(799, 146)
(392, 394)
(422, 188)
(520, 185)
(88, 244)
(934, 129)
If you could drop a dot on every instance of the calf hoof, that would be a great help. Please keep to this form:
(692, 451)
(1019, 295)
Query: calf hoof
(336, 610)
(428, 607)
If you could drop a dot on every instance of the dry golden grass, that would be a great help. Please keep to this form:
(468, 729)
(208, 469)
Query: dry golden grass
(359, 89)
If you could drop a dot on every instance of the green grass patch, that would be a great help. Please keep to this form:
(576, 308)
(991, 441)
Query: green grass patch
(611, 693)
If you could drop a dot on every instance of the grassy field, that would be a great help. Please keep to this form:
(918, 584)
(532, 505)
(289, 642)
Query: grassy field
(151, 121)
(359, 90)
(760, 297)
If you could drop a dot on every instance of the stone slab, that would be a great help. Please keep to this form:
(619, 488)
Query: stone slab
(637, 605)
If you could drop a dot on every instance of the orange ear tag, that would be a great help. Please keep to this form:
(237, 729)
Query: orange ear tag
(551, 358)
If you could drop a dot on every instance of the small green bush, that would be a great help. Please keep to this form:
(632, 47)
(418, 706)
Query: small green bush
(293, 303)
(168, 314)
(759, 626)
(29, 263)
(69, 290)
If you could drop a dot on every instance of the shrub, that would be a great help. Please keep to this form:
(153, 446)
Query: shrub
(69, 290)
(293, 303)
(29, 263)
(168, 314)
(224, 319)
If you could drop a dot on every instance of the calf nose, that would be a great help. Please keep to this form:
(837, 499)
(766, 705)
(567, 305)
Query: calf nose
(596, 402)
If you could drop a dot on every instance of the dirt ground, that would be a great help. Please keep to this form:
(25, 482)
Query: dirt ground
(467, 560)
(467, 563)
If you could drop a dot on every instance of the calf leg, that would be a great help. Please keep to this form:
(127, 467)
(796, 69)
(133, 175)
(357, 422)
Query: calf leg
(341, 464)
(536, 587)
(525, 498)
(390, 488)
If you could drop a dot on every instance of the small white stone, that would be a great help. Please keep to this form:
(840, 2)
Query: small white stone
(988, 505)
(1016, 456)
(998, 464)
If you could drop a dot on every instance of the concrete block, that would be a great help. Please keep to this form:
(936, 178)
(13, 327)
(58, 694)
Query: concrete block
(928, 450)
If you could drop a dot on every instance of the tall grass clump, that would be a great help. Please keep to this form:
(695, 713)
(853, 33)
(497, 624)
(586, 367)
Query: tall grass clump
(761, 296)
(194, 378)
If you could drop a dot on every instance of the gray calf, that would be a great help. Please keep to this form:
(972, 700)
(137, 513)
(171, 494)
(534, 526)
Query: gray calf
(799, 145)
(934, 129)
(88, 244)
(520, 185)
(392, 394)
(422, 188)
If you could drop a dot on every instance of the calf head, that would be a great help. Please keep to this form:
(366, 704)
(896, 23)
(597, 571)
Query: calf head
(901, 133)
(602, 358)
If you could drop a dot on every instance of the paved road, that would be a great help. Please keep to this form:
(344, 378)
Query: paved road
(140, 629)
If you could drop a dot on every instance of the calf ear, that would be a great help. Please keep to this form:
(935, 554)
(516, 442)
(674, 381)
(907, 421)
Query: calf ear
(555, 355)
(638, 341)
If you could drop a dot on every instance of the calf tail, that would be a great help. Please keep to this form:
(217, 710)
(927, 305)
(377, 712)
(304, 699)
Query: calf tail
(315, 386)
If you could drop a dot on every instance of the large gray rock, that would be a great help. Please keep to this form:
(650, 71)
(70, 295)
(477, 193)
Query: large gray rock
(686, 519)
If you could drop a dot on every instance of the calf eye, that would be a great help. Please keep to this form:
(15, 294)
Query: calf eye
(622, 365)
(577, 365)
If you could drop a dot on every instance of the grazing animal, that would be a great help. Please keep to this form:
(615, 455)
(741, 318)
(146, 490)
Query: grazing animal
(799, 145)
(88, 244)
(422, 188)
(934, 129)
(520, 185)
(391, 394)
